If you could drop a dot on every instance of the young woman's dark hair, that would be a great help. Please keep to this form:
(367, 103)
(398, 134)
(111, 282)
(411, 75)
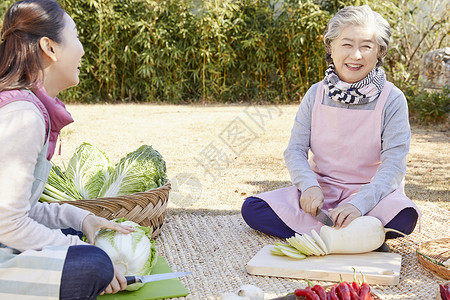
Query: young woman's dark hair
(25, 23)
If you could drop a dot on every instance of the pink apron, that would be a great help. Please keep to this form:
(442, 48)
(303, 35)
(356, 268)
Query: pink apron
(346, 147)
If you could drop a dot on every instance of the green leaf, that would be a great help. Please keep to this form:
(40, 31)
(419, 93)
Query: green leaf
(89, 168)
(139, 171)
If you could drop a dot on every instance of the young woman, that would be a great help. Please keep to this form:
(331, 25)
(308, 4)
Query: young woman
(356, 125)
(39, 56)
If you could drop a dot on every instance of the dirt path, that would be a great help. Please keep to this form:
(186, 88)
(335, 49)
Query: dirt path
(219, 154)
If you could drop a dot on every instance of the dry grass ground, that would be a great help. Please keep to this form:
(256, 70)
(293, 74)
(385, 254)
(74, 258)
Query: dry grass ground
(219, 154)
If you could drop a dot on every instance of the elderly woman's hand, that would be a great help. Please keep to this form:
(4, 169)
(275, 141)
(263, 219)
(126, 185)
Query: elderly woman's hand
(93, 223)
(344, 214)
(311, 199)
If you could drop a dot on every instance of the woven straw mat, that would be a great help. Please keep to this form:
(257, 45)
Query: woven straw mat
(216, 249)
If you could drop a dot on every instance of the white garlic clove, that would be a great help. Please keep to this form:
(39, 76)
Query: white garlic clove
(251, 291)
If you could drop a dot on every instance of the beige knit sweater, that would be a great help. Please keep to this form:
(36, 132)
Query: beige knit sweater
(22, 134)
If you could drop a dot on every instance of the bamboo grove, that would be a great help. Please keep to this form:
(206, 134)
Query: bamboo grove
(188, 51)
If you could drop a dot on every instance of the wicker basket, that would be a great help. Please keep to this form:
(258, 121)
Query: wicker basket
(145, 208)
(438, 250)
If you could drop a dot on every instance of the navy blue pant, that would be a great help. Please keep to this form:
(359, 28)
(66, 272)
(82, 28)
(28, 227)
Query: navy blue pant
(87, 271)
(260, 216)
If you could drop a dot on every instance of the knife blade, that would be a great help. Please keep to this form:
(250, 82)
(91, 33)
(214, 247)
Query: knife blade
(154, 277)
(323, 218)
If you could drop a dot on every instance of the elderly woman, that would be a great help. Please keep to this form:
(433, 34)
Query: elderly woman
(39, 56)
(355, 123)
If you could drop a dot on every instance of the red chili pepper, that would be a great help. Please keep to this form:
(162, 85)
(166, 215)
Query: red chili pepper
(332, 293)
(364, 292)
(310, 289)
(308, 293)
(443, 291)
(320, 291)
(355, 284)
(353, 293)
(343, 291)
(355, 287)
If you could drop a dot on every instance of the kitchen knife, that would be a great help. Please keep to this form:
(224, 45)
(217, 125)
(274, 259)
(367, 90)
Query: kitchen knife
(323, 218)
(154, 277)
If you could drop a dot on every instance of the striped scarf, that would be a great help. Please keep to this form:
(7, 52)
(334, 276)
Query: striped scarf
(361, 92)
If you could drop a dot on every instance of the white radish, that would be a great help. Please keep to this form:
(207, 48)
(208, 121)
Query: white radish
(285, 247)
(296, 255)
(290, 251)
(313, 244)
(319, 241)
(363, 234)
(301, 244)
(276, 251)
(294, 241)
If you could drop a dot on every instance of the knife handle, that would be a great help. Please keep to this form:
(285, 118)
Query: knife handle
(318, 211)
(131, 279)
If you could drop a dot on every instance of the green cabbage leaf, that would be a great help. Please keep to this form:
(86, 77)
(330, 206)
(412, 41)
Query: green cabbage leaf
(138, 171)
(132, 254)
(58, 187)
(89, 168)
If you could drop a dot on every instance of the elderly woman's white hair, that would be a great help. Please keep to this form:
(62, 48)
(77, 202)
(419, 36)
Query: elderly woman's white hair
(358, 15)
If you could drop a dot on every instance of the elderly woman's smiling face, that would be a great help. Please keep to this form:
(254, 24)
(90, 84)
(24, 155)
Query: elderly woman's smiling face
(355, 52)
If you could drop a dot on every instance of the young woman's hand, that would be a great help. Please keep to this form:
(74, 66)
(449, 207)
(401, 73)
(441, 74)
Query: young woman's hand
(344, 214)
(119, 283)
(93, 223)
(311, 199)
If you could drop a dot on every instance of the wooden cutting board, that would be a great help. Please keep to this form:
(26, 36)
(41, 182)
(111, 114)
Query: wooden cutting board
(378, 267)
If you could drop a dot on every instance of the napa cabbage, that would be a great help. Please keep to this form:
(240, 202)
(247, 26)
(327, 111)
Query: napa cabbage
(132, 254)
(89, 168)
(58, 187)
(138, 171)
(90, 174)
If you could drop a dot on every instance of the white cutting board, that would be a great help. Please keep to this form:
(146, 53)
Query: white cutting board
(378, 267)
